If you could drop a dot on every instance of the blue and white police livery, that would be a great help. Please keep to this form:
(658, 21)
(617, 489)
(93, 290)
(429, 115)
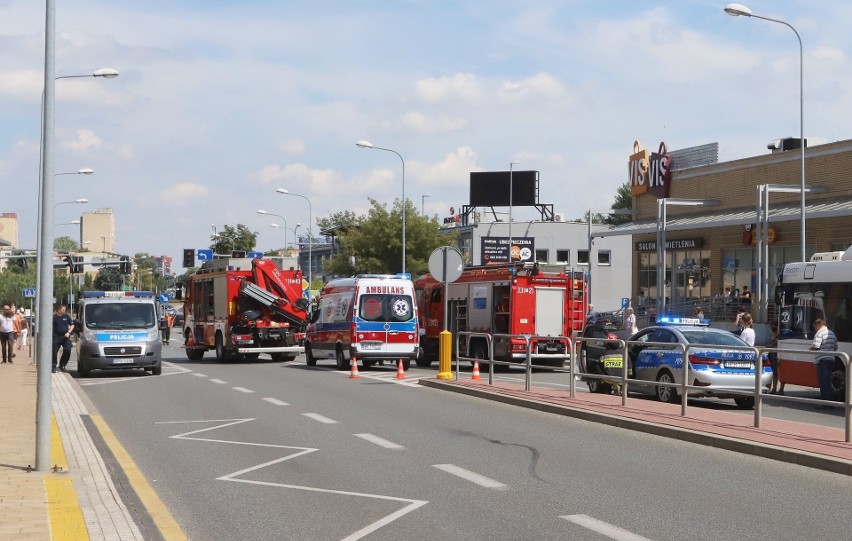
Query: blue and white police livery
(716, 365)
(119, 330)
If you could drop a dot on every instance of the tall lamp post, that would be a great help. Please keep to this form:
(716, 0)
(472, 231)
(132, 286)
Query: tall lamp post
(310, 235)
(662, 205)
(735, 10)
(44, 243)
(265, 213)
(423, 203)
(511, 190)
(367, 144)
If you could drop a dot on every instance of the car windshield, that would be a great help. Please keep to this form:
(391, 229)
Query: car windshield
(120, 316)
(711, 338)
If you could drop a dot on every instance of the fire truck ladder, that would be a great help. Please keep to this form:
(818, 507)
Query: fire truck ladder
(267, 299)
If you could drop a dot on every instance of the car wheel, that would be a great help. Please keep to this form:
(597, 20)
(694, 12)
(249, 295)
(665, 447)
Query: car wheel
(221, 352)
(598, 385)
(838, 382)
(341, 360)
(665, 393)
(406, 364)
(744, 402)
(157, 370)
(310, 360)
(82, 370)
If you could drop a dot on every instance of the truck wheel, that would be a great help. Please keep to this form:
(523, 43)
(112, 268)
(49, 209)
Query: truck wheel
(157, 370)
(422, 360)
(310, 360)
(82, 370)
(341, 360)
(221, 352)
(193, 354)
(406, 364)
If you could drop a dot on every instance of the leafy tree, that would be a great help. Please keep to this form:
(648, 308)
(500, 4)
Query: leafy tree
(623, 201)
(65, 244)
(12, 284)
(233, 238)
(373, 243)
(109, 279)
(20, 265)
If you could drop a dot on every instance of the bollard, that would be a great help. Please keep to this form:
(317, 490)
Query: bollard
(445, 349)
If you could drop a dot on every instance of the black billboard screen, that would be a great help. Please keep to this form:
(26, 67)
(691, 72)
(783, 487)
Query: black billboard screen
(491, 189)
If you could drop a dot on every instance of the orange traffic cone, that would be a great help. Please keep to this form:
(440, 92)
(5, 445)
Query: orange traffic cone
(475, 376)
(400, 373)
(354, 374)
(190, 340)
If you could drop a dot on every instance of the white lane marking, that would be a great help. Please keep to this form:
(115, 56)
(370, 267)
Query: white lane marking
(381, 442)
(199, 375)
(276, 401)
(242, 389)
(468, 475)
(604, 528)
(320, 418)
(298, 451)
(217, 381)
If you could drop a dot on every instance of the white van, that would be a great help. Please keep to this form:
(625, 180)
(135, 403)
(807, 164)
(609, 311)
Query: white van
(371, 317)
(119, 330)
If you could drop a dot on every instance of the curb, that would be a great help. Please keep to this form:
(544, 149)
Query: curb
(781, 454)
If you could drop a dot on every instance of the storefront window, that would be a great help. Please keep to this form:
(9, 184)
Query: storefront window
(688, 279)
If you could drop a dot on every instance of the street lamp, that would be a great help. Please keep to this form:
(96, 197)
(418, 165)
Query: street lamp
(511, 166)
(84, 171)
(80, 201)
(662, 205)
(735, 10)
(310, 235)
(423, 203)
(72, 222)
(367, 144)
(103, 239)
(265, 213)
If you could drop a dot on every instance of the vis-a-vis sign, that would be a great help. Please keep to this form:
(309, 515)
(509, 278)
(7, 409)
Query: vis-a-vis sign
(650, 173)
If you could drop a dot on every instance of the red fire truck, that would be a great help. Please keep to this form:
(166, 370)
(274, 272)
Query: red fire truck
(505, 300)
(244, 307)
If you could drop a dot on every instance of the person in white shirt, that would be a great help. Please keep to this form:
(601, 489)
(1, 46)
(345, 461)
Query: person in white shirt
(630, 321)
(748, 332)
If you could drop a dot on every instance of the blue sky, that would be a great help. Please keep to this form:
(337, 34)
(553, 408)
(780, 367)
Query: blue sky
(219, 103)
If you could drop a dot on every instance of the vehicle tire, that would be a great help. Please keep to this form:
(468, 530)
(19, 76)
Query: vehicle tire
(341, 360)
(744, 402)
(82, 370)
(666, 394)
(221, 352)
(157, 370)
(422, 360)
(192, 353)
(406, 364)
(310, 360)
(598, 385)
(838, 381)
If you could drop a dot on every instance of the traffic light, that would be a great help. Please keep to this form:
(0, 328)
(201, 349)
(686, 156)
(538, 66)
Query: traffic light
(124, 266)
(77, 264)
(238, 254)
(188, 257)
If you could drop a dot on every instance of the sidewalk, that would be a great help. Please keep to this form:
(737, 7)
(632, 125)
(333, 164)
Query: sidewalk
(77, 501)
(805, 444)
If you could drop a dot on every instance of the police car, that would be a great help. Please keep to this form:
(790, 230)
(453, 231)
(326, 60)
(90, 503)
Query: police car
(715, 367)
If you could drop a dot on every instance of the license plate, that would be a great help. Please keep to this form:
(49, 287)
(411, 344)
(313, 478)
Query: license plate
(122, 361)
(613, 362)
(738, 364)
(371, 346)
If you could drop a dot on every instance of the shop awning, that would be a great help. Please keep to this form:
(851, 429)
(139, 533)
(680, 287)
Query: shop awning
(780, 213)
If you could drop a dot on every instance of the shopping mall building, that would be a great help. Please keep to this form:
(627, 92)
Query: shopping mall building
(711, 249)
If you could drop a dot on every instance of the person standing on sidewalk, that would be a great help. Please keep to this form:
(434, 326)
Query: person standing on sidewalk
(25, 330)
(824, 340)
(63, 326)
(7, 333)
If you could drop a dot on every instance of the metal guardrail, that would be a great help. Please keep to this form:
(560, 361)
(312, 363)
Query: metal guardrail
(575, 345)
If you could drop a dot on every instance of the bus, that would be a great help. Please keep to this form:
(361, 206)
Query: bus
(817, 289)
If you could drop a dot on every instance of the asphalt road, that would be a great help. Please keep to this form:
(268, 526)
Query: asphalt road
(264, 450)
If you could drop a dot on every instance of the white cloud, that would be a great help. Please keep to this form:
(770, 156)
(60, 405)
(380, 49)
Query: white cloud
(184, 193)
(422, 123)
(539, 85)
(86, 140)
(20, 84)
(459, 87)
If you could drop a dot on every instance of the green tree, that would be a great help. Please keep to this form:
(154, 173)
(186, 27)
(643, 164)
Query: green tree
(20, 265)
(623, 201)
(109, 279)
(233, 238)
(12, 284)
(65, 244)
(373, 243)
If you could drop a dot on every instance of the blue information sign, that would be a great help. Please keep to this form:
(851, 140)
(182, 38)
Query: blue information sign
(29, 292)
(204, 254)
(254, 255)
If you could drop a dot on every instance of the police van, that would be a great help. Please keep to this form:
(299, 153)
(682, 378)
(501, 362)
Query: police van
(371, 317)
(118, 330)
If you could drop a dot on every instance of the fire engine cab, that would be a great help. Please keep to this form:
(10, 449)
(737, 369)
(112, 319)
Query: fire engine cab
(549, 306)
(244, 307)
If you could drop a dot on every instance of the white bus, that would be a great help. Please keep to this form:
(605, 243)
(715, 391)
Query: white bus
(819, 288)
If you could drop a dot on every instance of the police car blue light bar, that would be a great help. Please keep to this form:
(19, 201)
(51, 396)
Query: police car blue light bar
(102, 294)
(674, 320)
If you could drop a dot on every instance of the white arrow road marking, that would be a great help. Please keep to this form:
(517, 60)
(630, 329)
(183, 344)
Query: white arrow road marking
(242, 389)
(363, 532)
(468, 475)
(604, 528)
(320, 418)
(381, 442)
(276, 401)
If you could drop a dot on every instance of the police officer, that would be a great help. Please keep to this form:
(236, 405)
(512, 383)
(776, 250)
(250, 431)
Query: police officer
(63, 326)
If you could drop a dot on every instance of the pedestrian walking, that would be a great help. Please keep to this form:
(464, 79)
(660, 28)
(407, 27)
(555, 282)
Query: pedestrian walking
(630, 321)
(25, 330)
(747, 333)
(824, 340)
(7, 333)
(63, 326)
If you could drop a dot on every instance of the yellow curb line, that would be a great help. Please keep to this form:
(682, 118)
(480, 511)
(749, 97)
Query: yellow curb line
(63, 509)
(159, 513)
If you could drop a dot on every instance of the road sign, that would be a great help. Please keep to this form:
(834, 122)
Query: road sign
(164, 298)
(29, 292)
(204, 254)
(454, 264)
(254, 255)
